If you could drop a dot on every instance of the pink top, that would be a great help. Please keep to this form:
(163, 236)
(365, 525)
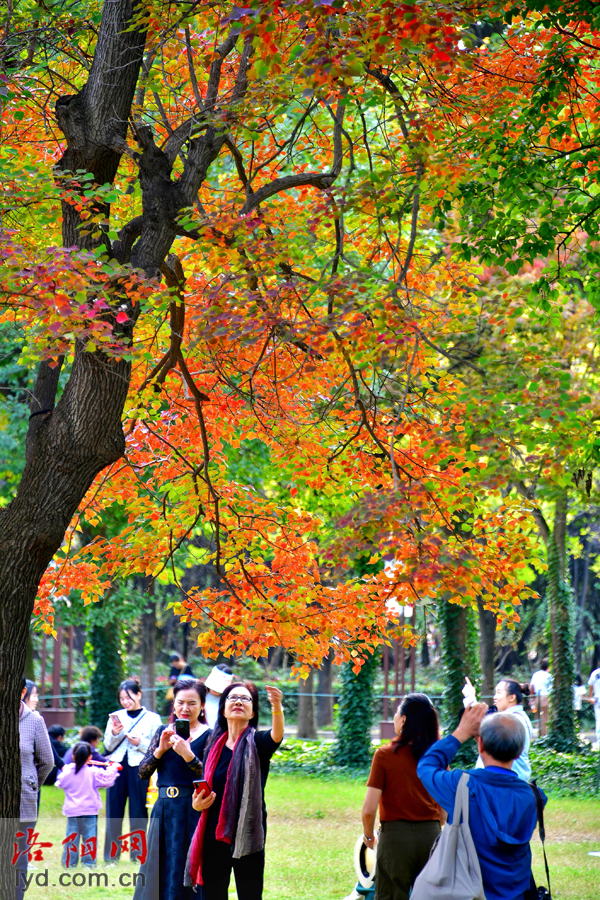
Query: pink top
(81, 788)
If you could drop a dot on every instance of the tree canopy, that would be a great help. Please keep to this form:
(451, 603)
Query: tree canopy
(309, 287)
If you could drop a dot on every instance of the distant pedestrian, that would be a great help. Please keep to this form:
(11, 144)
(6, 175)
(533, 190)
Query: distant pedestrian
(594, 697)
(179, 668)
(410, 818)
(541, 687)
(92, 736)
(127, 737)
(579, 692)
(37, 761)
(56, 733)
(32, 697)
(80, 781)
(218, 679)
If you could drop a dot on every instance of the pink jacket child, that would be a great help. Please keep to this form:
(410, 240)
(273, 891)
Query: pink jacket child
(80, 782)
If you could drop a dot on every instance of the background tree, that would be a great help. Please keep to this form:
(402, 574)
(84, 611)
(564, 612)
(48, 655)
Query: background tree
(352, 746)
(106, 644)
(460, 660)
(307, 726)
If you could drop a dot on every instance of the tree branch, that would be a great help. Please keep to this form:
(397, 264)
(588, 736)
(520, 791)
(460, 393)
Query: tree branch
(540, 521)
(321, 180)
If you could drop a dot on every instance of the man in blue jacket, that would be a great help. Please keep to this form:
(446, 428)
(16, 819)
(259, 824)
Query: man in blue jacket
(502, 809)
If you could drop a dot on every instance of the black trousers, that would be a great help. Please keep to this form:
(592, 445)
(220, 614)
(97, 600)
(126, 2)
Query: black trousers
(217, 864)
(127, 786)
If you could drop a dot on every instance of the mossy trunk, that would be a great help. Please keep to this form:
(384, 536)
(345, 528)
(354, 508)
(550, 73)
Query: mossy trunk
(562, 732)
(352, 745)
(460, 658)
(106, 641)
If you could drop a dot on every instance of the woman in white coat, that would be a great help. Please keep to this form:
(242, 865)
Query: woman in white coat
(127, 737)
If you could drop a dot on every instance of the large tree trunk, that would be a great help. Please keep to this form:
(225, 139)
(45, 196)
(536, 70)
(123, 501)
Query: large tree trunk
(67, 445)
(487, 650)
(325, 687)
(306, 709)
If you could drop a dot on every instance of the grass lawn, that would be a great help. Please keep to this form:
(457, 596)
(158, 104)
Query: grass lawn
(313, 825)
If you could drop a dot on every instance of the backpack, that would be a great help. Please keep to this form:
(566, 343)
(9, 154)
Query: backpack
(452, 871)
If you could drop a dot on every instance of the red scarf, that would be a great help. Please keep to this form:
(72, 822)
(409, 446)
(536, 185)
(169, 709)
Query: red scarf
(194, 860)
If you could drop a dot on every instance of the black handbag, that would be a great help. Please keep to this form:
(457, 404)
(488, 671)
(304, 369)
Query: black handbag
(539, 893)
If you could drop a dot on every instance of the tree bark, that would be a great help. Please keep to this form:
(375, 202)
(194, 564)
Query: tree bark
(68, 445)
(325, 685)
(487, 650)
(306, 709)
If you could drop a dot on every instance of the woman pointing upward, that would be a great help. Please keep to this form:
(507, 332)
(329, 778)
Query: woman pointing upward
(232, 828)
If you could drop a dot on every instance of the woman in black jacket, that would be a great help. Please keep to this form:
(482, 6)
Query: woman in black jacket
(173, 820)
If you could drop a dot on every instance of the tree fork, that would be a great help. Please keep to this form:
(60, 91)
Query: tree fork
(70, 444)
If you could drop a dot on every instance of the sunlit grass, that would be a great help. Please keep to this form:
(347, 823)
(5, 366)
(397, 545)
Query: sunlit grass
(313, 825)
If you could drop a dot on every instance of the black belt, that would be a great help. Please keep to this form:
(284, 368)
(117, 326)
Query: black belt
(174, 790)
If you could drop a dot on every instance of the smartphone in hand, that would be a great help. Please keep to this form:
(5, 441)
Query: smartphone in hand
(201, 786)
(182, 728)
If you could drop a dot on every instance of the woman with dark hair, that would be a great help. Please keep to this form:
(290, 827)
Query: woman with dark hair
(127, 737)
(32, 697)
(509, 699)
(410, 819)
(233, 825)
(178, 762)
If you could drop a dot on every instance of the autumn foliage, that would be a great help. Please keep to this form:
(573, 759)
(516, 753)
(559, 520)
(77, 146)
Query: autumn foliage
(302, 414)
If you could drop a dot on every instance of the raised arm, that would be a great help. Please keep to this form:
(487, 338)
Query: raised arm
(112, 735)
(433, 765)
(275, 697)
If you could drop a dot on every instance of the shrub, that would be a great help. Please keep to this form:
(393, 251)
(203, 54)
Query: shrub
(566, 774)
(313, 758)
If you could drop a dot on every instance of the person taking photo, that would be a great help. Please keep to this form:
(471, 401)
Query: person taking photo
(127, 737)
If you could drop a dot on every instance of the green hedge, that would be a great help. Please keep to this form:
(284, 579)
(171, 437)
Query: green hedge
(565, 774)
(314, 758)
(558, 774)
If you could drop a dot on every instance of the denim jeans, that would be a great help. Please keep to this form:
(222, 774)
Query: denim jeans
(20, 868)
(84, 827)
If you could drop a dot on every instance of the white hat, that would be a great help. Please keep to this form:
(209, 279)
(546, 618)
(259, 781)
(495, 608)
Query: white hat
(365, 863)
(218, 680)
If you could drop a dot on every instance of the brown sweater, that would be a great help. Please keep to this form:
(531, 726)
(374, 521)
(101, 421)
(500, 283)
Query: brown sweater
(403, 796)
